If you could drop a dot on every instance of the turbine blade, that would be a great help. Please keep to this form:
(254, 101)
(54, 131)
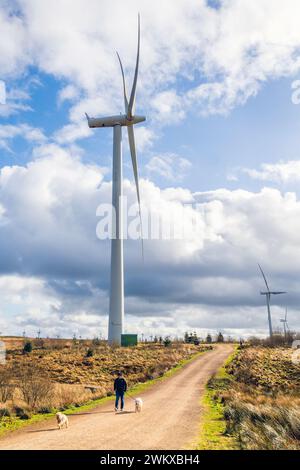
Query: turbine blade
(132, 95)
(286, 314)
(124, 85)
(136, 175)
(278, 293)
(264, 277)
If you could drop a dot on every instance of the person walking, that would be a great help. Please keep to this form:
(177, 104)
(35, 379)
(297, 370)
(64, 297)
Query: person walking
(120, 387)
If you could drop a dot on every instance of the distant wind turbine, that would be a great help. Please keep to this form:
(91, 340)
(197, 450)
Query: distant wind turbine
(116, 306)
(285, 324)
(268, 295)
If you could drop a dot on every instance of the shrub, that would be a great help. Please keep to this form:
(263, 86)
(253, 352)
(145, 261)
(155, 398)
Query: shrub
(68, 395)
(4, 412)
(34, 386)
(21, 413)
(6, 386)
(27, 347)
(89, 353)
(25, 415)
(96, 341)
(45, 410)
(39, 343)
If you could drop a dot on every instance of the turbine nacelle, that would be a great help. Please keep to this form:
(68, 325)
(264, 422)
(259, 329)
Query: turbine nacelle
(112, 121)
(272, 293)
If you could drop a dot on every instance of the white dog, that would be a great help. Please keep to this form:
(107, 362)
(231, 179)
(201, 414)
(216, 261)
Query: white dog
(62, 420)
(138, 405)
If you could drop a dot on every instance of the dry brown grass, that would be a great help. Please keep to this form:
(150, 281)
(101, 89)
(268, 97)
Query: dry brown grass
(56, 376)
(70, 364)
(269, 369)
(74, 395)
(263, 405)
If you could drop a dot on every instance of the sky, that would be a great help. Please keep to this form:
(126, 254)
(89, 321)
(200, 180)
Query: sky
(219, 84)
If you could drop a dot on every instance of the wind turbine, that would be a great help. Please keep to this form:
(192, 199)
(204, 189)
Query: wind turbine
(116, 305)
(285, 324)
(268, 295)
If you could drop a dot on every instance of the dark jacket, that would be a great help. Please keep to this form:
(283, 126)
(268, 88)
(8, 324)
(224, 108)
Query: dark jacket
(120, 385)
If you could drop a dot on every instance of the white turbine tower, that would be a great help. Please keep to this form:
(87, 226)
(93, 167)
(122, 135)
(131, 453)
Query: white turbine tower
(116, 306)
(268, 294)
(285, 324)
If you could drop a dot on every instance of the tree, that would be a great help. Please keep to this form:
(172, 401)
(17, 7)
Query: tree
(195, 339)
(190, 337)
(209, 338)
(167, 341)
(220, 338)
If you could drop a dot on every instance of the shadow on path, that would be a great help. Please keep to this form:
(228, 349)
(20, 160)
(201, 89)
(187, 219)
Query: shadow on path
(91, 413)
(44, 430)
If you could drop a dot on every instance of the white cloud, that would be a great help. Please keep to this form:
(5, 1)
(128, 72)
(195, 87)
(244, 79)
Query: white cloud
(72, 132)
(281, 172)
(48, 225)
(32, 305)
(29, 133)
(168, 107)
(169, 165)
(224, 55)
(24, 299)
(16, 102)
(68, 93)
(2, 92)
(14, 53)
(144, 137)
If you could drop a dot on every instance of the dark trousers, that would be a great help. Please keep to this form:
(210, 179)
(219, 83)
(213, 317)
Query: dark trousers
(119, 396)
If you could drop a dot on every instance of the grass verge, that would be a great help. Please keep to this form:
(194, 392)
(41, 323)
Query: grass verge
(213, 425)
(9, 424)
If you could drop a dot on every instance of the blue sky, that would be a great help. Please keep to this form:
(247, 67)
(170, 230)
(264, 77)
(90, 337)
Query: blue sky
(221, 131)
(263, 130)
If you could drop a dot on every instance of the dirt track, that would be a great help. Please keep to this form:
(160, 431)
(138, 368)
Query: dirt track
(169, 420)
